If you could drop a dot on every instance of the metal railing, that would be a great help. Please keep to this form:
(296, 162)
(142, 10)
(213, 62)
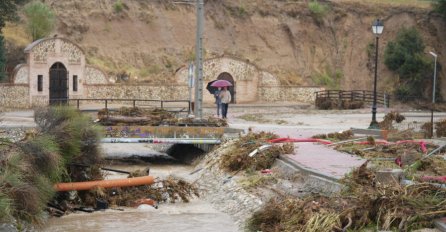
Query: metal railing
(169, 105)
(365, 96)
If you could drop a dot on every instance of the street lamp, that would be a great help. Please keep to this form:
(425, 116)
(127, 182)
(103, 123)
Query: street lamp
(433, 93)
(377, 28)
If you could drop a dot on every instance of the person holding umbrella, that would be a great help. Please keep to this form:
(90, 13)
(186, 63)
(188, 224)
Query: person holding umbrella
(225, 97)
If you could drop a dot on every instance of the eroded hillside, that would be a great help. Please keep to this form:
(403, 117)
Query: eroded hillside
(152, 39)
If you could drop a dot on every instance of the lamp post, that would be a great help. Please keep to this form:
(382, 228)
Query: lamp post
(377, 28)
(433, 93)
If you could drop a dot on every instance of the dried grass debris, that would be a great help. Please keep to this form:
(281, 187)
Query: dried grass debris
(237, 158)
(389, 118)
(362, 203)
(336, 136)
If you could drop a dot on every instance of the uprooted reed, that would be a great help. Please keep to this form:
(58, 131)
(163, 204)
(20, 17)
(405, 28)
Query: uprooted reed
(29, 168)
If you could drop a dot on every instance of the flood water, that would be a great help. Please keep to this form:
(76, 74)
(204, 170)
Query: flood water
(197, 215)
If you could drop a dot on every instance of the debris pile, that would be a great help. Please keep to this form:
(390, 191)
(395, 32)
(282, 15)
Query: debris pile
(440, 128)
(337, 136)
(168, 190)
(387, 123)
(238, 158)
(331, 103)
(362, 204)
(134, 116)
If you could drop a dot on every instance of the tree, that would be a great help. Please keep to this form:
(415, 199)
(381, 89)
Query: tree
(405, 56)
(8, 9)
(2, 58)
(440, 7)
(41, 19)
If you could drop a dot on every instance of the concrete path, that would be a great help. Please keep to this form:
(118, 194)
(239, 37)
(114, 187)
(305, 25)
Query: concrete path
(17, 119)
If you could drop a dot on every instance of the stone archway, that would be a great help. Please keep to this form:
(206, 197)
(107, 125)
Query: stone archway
(58, 84)
(232, 89)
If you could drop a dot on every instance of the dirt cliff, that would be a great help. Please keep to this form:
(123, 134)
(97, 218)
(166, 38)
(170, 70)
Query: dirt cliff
(151, 39)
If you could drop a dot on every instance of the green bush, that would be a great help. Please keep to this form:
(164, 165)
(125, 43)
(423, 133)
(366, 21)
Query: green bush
(74, 132)
(328, 78)
(440, 7)
(405, 56)
(2, 58)
(317, 9)
(118, 6)
(40, 19)
(30, 168)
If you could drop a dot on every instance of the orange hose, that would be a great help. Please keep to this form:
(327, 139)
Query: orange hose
(104, 183)
(146, 201)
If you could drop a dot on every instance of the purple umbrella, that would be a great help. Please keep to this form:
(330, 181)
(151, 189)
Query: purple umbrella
(221, 83)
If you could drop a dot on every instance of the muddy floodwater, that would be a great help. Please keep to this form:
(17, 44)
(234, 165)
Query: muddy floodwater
(197, 215)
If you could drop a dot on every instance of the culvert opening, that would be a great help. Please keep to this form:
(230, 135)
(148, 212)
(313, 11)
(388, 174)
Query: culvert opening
(185, 153)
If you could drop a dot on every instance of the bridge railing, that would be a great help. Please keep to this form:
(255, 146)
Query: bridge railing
(364, 96)
(176, 106)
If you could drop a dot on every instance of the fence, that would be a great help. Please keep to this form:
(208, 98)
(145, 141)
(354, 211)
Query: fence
(176, 106)
(364, 96)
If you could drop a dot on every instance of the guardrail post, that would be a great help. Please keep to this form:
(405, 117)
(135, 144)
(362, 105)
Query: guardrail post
(340, 99)
(134, 103)
(77, 103)
(162, 105)
(106, 104)
(190, 102)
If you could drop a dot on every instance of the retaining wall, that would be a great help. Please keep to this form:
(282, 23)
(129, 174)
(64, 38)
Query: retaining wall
(17, 95)
(14, 96)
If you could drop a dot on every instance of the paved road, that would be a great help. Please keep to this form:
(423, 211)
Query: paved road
(300, 122)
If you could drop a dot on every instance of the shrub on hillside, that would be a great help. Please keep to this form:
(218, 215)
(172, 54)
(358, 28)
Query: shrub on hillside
(405, 56)
(318, 10)
(440, 7)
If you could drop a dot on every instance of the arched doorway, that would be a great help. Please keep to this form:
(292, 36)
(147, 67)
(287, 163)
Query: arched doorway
(228, 77)
(58, 84)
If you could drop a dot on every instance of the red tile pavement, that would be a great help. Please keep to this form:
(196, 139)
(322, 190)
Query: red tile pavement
(324, 160)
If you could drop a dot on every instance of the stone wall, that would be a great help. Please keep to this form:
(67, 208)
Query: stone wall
(21, 74)
(17, 96)
(288, 93)
(94, 76)
(14, 96)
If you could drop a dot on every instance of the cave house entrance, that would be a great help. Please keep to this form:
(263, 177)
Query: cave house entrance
(226, 76)
(58, 84)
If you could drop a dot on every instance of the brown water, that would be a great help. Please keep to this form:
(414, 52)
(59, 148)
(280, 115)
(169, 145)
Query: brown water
(198, 215)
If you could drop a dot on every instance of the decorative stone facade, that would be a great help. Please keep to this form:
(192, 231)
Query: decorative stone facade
(14, 96)
(288, 93)
(94, 76)
(71, 51)
(41, 50)
(21, 74)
